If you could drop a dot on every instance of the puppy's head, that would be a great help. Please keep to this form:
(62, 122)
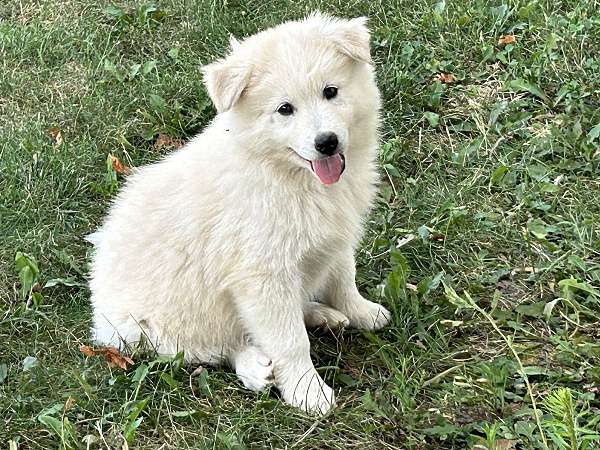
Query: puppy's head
(302, 92)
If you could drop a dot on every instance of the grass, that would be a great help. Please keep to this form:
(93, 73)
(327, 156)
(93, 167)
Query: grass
(484, 242)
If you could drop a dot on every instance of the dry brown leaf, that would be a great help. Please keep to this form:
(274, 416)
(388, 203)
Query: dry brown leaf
(118, 166)
(70, 403)
(114, 358)
(56, 136)
(87, 351)
(507, 39)
(164, 141)
(111, 355)
(446, 78)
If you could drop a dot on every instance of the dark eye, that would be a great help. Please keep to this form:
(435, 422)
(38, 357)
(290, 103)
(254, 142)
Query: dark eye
(285, 109)
(330, 92)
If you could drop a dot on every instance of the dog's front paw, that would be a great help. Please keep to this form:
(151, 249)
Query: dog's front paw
(254, 369)
(310, 393)
(367, 315)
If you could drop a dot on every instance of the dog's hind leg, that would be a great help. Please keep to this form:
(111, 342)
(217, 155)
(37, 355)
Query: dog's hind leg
(318, 315)
(253, 368)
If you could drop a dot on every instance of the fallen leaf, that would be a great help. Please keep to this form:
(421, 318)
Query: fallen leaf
(114, 358)
(197, 371)
(69, 403)
(505, 444)
(111, 355)
(29, 363)
(446, 78)
(118, 166)
(164, 141)
(87, 351)
(507, 39)
(522, 269)
(55, 135)
(593, 389)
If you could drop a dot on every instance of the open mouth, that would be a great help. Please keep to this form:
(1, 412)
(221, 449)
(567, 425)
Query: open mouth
(329, 169)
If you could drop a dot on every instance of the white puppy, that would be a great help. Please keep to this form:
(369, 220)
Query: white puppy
(219, 249)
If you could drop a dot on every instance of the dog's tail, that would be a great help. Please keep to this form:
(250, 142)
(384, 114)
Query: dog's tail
(94, 238)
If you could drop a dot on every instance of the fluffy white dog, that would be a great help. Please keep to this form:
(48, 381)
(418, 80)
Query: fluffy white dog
(220, 249)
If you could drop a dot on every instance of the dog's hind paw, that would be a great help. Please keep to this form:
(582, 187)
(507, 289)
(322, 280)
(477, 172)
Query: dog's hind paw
(367, 315)
(317, 315)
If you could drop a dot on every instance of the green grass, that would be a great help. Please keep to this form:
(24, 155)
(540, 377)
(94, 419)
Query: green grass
(484, 243)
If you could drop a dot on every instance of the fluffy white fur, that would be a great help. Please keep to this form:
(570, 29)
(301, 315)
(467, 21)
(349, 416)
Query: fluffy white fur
(220, 249)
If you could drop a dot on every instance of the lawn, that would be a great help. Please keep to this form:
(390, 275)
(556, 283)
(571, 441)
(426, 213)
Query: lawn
(484, 241)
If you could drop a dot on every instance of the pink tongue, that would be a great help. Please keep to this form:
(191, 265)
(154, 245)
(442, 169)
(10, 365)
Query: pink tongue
(328, 169)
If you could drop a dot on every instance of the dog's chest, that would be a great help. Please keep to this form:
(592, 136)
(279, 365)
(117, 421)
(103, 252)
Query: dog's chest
(304, 230)
(325, 231)
(316, 263)
(326, 219)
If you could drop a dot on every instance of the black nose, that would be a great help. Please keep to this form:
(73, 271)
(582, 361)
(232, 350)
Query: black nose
(326, 143)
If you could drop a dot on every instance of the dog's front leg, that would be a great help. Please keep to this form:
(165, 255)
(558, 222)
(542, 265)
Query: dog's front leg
(271, 312)
(342, 294)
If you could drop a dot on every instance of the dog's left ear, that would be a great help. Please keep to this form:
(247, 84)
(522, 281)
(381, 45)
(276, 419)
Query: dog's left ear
(352, 38)
(225, 80)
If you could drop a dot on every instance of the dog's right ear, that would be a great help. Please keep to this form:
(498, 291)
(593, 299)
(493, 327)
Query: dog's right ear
(225, 80)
